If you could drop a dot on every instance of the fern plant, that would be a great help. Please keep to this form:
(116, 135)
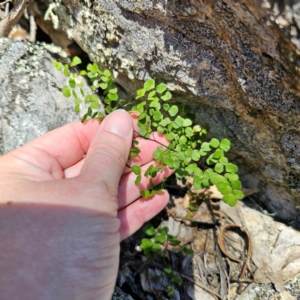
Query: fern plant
(188, 152)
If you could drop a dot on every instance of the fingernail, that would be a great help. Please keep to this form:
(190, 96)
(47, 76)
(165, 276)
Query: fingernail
(134, 115)
(119, 123)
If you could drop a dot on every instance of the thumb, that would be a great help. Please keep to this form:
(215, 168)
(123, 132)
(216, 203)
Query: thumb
(109, 151)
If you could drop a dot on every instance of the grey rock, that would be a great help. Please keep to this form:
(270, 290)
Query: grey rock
(31, 102)
(235, 63)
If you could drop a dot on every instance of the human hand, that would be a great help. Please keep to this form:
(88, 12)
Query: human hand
(65, 206)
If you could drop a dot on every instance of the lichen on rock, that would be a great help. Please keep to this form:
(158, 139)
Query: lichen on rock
(235, 63)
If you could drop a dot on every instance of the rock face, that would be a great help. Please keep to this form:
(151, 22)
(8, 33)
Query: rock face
(31, 102)
(235, 63)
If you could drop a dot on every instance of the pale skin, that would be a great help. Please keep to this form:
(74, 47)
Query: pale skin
(66, 202)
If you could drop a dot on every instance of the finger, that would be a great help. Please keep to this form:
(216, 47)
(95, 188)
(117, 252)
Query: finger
(108, 153)
(67, 144)
(147, 147)
(129, 192)
(135, 215)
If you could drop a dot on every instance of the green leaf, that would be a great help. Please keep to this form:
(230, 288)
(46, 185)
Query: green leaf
(230, 200)
(149, 229)
(149, 193)
(151, 96)
(146, 244)
(231, 168)
(77, 108)
(113, 91)
(205, 146)
(211, 161)
(149, 84)
(83, 72)
(189, 131)
(214, 143)
(112, 97)
(174, 241)
(223, 160)
(95, 105)
(170, 136)
(187, 251)
(155, 248)
(74, 94)
(155, 104)
(219, 168)
(216, 178)
(152, 171)
(167, 96)
(58, 65)
(84, 118)
(136, 169)
(225, 145)
(94, 115)
(75, 61)
(163, 230)
(138, 180)
(134, 152)
(236, 184)
(198, 172)
(77, 101)
(182, 140)
(103, 85)
(140, 93)
(208, 173)
(161, 88)
(164, 122)
(66, 91)
(66, 70)
(193, 207)
(196, 155)
(95, 68)
(190, 168)
(72, 83)
(176, 280)
(157, 116)
(187, 122)
(158, 153)
(222, 184)
(82, 92)
(232, 177)
(166, 106)
(238, 194)
(173, 110)
(94, 98)
(169, 162)
(179, 121)
(225, 190)
(160, 239)
(106, 73)
(189, 153)
(218, 153)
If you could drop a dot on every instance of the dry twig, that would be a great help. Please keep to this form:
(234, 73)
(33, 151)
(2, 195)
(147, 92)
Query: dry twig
(13, 17)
